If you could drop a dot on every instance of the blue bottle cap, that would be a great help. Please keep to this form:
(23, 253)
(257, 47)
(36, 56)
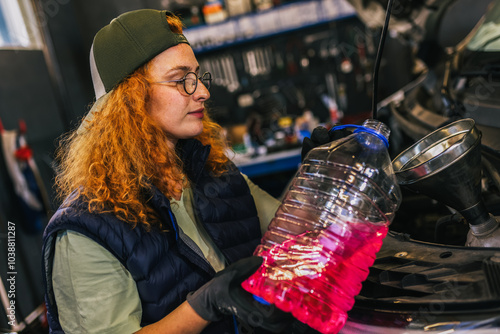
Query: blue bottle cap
(360, 128)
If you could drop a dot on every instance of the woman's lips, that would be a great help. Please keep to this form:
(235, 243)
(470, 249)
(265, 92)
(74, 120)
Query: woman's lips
(197, 113)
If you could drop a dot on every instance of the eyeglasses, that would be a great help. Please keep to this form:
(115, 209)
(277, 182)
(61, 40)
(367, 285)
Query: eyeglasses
(190, 81)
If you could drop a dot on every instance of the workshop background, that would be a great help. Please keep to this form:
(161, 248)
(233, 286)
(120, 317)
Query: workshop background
(280, 69)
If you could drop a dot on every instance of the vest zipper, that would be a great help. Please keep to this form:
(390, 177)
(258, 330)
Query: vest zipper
(194, 248)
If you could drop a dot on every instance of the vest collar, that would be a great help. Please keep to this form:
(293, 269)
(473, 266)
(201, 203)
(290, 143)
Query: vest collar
(194, 155)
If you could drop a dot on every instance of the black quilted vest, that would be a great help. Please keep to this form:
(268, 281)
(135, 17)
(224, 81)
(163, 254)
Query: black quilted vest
(167, 265)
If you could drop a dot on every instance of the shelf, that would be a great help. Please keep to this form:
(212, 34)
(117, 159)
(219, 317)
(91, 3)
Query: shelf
(281, 19)
(269, 163)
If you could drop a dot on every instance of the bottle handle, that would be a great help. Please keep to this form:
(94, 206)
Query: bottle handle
(360, 128)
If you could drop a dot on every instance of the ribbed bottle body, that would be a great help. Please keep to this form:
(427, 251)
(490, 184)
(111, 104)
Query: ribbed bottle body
(325, 235)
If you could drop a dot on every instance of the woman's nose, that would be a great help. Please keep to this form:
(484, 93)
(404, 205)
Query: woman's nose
(201, 92)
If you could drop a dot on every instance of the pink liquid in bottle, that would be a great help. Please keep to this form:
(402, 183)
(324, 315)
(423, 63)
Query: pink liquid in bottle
(315, 276)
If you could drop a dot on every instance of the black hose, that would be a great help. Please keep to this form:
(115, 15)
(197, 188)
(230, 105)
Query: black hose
(379, 57)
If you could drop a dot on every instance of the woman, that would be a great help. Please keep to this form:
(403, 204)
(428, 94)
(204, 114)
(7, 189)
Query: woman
(153, 207)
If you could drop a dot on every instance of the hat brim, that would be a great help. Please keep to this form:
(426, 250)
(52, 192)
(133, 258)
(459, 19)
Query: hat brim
(96, 107)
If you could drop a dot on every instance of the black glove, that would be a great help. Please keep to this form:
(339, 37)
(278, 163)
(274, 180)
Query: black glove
(223, 295)
(320, 136)
(297, 327)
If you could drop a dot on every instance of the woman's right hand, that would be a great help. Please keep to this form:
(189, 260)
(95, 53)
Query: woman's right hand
(223, 295)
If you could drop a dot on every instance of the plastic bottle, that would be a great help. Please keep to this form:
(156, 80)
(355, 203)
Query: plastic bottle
(325, 235)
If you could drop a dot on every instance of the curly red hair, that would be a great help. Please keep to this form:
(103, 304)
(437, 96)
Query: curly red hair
(122, 152)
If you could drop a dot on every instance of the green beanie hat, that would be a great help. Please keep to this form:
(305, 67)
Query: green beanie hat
(128, 42)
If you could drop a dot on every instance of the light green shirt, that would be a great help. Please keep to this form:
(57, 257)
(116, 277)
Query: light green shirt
(185, 216)
(96, 294)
